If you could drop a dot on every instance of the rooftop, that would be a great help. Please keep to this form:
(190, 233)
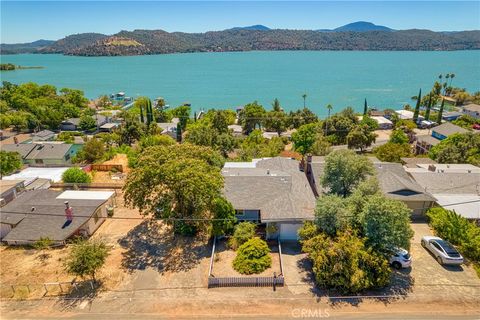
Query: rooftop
(448, 182)
(466, 205)
(428, 139)
(40, 213)
(472, 107)
(43, 134)
(447, 128)
(8, 184)
(32, 173)
(414, 162)
(275, 186)
(49, 151)
(22, 149)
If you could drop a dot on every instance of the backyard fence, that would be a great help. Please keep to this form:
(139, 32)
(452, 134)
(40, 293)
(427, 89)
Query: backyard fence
(107, 167)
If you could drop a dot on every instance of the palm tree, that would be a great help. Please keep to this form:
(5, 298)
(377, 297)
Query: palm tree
(452, 75)
(329, 107)
(304, 96)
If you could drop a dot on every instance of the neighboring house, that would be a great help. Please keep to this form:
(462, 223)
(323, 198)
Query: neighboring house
(22, 149)
(50, 154)
(424, 143)
(44, 135)
(109, 127)
(270, 135)
(9, 189)
(32, 173)
(169, 128)
(271, 191)
(394, 182)
(236, 129)
(405, 114)
(73, 124)
(41, 214)
(472, 110)
(414, 162)
(383, 123)
(456, 187)
(452, 115)
(9, 137)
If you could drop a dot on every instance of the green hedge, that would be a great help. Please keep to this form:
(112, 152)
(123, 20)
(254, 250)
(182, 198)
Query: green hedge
(457, 230)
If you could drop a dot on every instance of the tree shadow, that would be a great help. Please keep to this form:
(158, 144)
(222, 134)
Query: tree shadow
(83, 293)
(401, 283)
(153, 244)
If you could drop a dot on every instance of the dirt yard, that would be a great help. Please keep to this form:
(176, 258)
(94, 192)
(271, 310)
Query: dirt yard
(110, 177)
(222, 266)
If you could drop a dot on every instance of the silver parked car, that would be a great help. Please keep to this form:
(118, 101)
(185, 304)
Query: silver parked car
(443, 251)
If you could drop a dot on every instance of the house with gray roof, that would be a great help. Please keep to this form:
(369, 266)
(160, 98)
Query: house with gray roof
(73, 124)
(393, 180)
(23, 149)
(271, 191)
(57, 154)
(44, 135)
(472, 110)
(453, 189)
(41, 213)
(424, 143)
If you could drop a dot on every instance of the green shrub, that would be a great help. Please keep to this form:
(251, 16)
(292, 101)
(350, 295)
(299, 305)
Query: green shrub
(345, 263)
(42, 243)
(76, 175)
(307, 231)
(457, 230)
(252, 257)
(244, 231)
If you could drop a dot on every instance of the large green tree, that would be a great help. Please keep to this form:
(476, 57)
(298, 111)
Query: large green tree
(331, 214)
(458, 148)
(176, 182)
(360, 137)
(305, 137)
(251, 117)
(344, 170)
(386, 223)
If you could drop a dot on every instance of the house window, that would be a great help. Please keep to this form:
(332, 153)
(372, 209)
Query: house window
(239, 212)
(38, 161)
(67, 157)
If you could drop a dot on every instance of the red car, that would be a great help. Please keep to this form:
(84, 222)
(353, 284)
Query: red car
(476, 126)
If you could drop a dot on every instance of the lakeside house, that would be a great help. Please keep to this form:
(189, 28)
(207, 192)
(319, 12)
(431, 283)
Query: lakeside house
(423, 143)
(452, 115)
(394, 182)
(272, 192)
(42, 214)
(169, 128)
(472, 110)
(73, 124)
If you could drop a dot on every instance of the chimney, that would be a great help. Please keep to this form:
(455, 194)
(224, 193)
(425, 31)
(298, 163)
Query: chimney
(68, 211)
(15, 140)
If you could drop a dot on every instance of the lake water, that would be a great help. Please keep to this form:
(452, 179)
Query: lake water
(225, 80)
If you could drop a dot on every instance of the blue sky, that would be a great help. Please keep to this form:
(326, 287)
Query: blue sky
(25, 21)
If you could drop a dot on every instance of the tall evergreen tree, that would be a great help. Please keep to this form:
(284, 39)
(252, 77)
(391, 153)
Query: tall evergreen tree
(440, 113)
(365, 108)
(195, 116)
(149, 111)
(429, 106)
(179, 132)
(417, 107)
(141, 113)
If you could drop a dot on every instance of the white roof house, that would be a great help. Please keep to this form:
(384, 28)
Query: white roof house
(405, 114)
(86, 195)
(32, 173)
(466, 205)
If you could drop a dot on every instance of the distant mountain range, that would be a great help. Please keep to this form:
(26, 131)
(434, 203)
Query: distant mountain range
(354, 36)
(359, 26)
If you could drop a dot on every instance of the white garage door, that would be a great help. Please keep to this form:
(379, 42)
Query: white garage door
(289, 231)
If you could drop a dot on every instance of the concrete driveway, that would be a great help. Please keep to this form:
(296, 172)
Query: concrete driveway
(431, 278)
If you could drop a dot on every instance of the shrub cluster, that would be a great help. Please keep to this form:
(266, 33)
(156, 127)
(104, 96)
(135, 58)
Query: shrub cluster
(252, 257)
(457, 230)
(244, 231)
